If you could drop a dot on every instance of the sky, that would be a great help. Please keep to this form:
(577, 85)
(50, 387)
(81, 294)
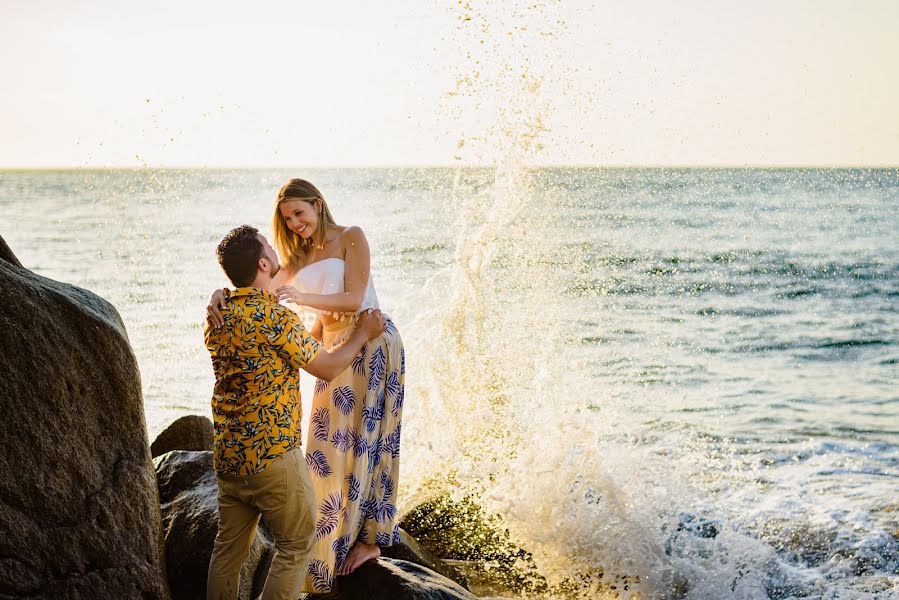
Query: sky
(227, 84)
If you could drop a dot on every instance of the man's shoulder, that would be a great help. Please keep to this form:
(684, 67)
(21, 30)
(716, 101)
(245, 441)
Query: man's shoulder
(255, 301)
(282, 313)
(251, 308)
(268, 311)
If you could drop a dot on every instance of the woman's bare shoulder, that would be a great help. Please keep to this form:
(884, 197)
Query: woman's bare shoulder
(351, 234)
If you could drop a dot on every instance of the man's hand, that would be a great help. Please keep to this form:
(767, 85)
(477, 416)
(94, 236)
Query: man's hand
(372, 322)
(328, 364)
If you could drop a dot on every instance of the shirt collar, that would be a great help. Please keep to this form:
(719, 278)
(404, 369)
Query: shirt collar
(249, 292)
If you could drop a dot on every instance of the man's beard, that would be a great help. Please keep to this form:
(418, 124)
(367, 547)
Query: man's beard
(274, 271)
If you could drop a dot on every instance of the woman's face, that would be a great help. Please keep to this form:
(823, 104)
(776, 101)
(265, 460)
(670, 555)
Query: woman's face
(300, 217)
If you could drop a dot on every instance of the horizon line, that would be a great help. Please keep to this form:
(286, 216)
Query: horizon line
(722, 166)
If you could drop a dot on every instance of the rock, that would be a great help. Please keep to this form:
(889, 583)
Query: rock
(79, 510)
(188, 492)
(189, 497)
(687, 536)
(7, 254)
(410, 550)
(391, 579)
(192, 432)
(698, 526)
(182, 471)
(461, 531)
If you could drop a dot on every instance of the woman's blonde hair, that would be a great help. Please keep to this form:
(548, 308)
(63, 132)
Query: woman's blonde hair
(291, 247)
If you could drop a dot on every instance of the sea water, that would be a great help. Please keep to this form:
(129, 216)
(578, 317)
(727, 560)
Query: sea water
(687, 377)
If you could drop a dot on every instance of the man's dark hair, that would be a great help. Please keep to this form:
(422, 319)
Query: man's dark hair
(239, 255)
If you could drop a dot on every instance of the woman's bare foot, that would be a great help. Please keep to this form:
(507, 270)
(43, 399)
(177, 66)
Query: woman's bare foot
(358, 554)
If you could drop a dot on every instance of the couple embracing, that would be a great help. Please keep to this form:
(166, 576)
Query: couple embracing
(331, 508)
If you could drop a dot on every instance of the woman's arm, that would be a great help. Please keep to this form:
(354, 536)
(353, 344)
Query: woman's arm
(355, 279)
(316, 330)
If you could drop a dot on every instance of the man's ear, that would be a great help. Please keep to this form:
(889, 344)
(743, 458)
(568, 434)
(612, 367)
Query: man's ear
(264, 265)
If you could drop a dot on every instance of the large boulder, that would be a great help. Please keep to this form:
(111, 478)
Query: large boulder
(191, 432)
(189, 497)
(79, 510)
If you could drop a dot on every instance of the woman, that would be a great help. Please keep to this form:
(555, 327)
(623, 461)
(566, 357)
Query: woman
(354, 436)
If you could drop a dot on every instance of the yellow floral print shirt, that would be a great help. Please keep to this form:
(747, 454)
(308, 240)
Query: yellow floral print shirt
(256, 355)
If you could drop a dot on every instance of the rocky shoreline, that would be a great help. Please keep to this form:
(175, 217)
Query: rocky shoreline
(90, 509)
(189, 509)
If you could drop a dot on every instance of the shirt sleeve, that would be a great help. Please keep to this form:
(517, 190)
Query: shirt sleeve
(295, 344)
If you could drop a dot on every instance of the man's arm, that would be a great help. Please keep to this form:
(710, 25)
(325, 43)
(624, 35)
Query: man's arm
(329, 364)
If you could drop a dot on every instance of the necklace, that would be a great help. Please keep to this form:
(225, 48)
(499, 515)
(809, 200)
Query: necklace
(316, 247)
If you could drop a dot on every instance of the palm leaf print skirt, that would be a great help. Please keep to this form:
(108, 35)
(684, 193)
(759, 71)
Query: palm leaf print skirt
(353, 451)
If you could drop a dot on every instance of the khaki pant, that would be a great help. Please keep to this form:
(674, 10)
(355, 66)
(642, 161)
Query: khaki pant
(282, 494)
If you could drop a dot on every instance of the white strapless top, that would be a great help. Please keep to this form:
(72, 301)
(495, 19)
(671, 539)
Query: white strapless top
(326, 277)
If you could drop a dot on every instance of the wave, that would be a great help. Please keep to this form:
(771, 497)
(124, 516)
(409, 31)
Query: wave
(581, 483)
(853, 343)
(771, 282)
(805, 344)
(749, 312)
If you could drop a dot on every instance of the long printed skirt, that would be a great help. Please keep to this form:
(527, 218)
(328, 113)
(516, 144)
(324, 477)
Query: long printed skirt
(353, 452)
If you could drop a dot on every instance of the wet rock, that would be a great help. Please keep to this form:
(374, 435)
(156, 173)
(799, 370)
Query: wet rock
(390, 579)
(691, 531)
(411, 551)
(189, 496)
(79, 510)
(192, 432)
(698, 526)
(460, 530)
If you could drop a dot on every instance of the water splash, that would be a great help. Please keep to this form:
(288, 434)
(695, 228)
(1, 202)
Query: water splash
(599, 495)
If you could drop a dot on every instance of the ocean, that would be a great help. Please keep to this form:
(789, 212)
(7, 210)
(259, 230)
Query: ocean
(687, 377)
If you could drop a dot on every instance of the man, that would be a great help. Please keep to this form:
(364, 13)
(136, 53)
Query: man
(260, 469)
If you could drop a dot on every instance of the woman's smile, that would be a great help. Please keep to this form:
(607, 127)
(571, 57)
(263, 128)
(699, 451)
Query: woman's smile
(300, 217)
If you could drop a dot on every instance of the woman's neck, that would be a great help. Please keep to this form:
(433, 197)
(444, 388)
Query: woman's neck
(330, 234)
